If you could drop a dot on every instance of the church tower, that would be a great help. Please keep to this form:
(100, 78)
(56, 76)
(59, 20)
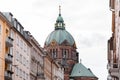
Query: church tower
(61, 46)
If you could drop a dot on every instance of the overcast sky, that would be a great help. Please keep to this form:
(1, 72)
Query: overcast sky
(88, 21)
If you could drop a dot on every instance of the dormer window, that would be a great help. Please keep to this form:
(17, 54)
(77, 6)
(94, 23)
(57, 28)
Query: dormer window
(8, 15)
(21, 30)
(18, 27)
(15, 22)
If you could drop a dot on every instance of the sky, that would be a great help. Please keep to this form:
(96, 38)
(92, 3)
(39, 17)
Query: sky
(88, 21)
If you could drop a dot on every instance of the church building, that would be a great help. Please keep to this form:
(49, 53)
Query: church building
(61, 46)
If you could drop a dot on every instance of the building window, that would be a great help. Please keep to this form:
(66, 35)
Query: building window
(15, 22)
(18, 27)
(0, 29)
(20, 73)
(24, 75)
(16, 71)
(25, 47)
(54, 53)
(28, 50)
(64, 53)
(17, 56)
(119, 13)
(11, 51)
(12, 34)
(20, 58)
(0, 46)
(27, 64)
(17, 41)
(21, 44)
(24, 61)
(115, 78)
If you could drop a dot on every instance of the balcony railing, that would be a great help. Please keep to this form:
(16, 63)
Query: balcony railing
(112, 5)
(40, 75)
(9, 42)
(115, 65)
(8, 75)
(8, 58)
(114, 69)
(9, 68)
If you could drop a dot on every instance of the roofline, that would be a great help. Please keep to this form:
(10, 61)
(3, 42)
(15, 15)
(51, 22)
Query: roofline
(83, 76)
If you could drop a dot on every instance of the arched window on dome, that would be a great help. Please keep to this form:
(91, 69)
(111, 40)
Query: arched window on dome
(64, 53)
(54, 53)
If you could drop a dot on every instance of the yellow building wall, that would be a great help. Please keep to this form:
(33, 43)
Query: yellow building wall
(2, 51)
(3, 48)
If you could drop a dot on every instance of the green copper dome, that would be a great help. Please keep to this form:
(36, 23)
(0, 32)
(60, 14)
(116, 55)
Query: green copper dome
(59, 19)
(60, 35)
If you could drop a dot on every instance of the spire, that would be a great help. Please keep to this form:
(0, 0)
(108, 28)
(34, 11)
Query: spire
(59, 10)
(59, 22)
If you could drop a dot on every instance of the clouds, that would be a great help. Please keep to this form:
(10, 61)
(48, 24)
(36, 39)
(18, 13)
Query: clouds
(93, 40)
(89, 21)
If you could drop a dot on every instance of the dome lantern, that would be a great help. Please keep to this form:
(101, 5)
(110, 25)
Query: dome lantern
(60, 36)
(59, 22)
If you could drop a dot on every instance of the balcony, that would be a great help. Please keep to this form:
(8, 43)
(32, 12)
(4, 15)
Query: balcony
(9, 42)
(40, 76)
(8, 58)
(112, 5)
(114, 70)
(8, 75)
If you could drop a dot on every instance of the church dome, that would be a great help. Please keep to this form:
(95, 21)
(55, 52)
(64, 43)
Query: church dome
(60, 35)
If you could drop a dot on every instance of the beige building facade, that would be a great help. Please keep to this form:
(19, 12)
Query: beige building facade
(57, 71)
(36, 61)
(52, 69)
(114, 42)
(20, 50)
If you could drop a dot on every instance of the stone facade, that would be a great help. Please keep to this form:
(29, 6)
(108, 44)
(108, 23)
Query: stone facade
(36, 61)
(114, 42)
(52, 69)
